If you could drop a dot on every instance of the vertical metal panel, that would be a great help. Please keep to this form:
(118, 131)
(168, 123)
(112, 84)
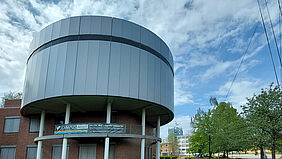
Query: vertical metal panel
(48, 33)
(130, 31)
(43, 73)
(117, 27)
(103, 68)
(114, 73)
(124, 70)
(70, 68)
(163, 82)
(41, 37)
(106, 26)
(36, 76)
(157, 43)
(96, 25)
(37, 37)
(28, 80)
(74, 26)
(32, 72)
(171, 91)
(50, 83)
(87, 151)
(81, 64)
(151, 77)
(166, 85)
(64, 27)
(134, 72)
(143, 75)
(164, 50)
(60, 68)
(147, 37)
(157, 80)
(92, 67)
(85, 25)
(56, 29)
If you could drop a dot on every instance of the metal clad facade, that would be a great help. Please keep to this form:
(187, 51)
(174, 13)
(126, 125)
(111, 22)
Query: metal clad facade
(99, 66)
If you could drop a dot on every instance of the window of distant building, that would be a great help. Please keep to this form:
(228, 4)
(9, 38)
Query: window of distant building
(31, 151)
(34, 124)
(12, 124)
(8, 152)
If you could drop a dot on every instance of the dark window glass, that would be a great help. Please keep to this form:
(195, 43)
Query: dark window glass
(34, 124)
(8, 152)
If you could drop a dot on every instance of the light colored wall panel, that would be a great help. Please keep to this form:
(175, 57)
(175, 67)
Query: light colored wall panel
(151, 77)
(80, 70)
(96, 23)
(56, 29)
(43, 73)
(157, 80)
(124, 70)
(60, 68)
(74, 26)
(114, 74)
(92, 67)
(50, 83)
(134, 72)
(85, 25)
(36, 76)
(64, 27)
(106, 26)
(103, 68)
(143, 85)
(117, 27)
(70, 68)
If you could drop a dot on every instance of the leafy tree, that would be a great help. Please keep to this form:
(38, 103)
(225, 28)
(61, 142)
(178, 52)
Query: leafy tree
(11, 95)
(202, 128)
(264, 117)
(172, 138)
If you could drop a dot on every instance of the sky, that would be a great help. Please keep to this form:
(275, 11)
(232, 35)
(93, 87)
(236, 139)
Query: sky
(207, 38)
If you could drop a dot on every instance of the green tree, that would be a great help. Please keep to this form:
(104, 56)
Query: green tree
(202, 128)
(11, 95)
(229, 130)
(172, 138)
(264, 117)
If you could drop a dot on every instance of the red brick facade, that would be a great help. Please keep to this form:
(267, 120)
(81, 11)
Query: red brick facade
(125, 148)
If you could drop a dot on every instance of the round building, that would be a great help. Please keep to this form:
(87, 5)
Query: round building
(102, 87)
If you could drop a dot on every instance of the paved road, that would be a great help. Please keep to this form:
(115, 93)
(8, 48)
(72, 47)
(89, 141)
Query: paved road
(250, 156)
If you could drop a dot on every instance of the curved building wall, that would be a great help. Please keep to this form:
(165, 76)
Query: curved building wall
(98, 56)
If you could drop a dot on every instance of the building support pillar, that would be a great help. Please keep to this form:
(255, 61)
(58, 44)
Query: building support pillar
(158, 135)
(41, 129)
(143, 133)
(65, 140)
(107, 139)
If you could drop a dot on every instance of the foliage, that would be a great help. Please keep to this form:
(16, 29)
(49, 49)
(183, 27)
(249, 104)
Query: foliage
(264, 118)
(226, 128)
(172, 138)
(11, 95)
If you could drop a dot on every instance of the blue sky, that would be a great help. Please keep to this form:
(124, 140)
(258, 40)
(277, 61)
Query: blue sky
(207, 39)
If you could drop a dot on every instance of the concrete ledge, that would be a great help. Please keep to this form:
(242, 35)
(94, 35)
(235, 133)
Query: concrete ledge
(103, 135)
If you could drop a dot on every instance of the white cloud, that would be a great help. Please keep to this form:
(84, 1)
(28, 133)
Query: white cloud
(240, 90)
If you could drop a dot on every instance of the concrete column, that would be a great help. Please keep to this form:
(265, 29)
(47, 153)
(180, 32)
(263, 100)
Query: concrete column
(158, 135)
(41, 129)
(107, 139)
(65, 140)
(143, 133)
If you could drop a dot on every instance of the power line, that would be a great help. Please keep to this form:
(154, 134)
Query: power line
(243, 57)
(273, 33)
(279, 7)
(265, 31)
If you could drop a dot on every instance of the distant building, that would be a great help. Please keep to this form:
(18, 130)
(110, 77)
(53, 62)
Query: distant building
(183, 144)
(176, 130)
(166, 148)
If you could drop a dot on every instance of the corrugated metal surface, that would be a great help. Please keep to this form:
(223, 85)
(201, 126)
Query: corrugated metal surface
(97, 67)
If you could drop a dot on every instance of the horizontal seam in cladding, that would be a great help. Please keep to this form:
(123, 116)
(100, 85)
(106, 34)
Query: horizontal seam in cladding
(102, 38)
